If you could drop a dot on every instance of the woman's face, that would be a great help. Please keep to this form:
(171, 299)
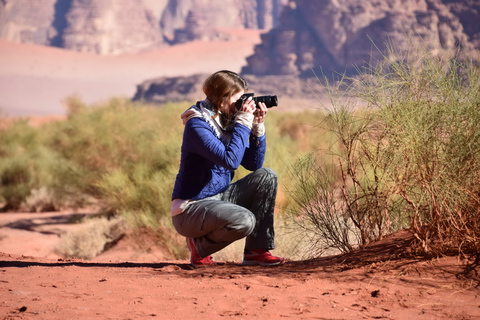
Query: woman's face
(233, 99)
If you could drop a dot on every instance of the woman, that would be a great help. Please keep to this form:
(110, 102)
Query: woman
(206, 208)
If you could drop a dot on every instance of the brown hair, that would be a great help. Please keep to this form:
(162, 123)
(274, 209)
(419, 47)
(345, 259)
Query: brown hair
(219, 87)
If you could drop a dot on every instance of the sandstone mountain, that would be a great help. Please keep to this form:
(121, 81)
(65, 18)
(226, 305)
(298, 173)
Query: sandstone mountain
(109, 27)
(335, 34)
(116, 27)
(301, 35)
(184, 20)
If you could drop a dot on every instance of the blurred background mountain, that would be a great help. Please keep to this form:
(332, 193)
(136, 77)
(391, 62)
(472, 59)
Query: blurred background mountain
(306, 33)
(287, 38)
(127, 26)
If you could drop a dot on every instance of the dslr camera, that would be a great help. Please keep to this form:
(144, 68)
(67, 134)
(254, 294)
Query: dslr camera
(270, 101)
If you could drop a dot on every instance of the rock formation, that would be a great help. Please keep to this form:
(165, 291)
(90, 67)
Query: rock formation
(28, 21)
(165, 89)
(336, 34)
(256, 14)
(468, 13)
(110, 27)
(115, 27)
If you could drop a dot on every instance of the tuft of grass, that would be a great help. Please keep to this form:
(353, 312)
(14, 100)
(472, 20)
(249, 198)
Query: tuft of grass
(40, 200)
(92, 238)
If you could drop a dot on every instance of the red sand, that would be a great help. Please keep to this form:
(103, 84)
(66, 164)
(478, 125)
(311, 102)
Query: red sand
(369, 284)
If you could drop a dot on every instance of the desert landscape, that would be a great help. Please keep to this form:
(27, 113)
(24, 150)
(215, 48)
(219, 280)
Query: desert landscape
(136, 279)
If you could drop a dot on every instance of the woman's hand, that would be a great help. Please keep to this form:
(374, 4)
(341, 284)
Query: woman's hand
(260, 113)
(248, 106)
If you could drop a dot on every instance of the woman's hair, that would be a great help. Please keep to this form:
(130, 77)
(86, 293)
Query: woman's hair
(219, 87)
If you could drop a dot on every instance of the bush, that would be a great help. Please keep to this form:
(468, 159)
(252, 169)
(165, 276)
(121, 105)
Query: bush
(406, 154)
(27, 165)
(429, 106)
(129, 153)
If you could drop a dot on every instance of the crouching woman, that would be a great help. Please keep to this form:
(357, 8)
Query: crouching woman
(207, 208)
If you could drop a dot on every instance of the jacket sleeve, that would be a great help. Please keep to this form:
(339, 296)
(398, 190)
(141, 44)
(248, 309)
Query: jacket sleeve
(255, 153)
(200, 138)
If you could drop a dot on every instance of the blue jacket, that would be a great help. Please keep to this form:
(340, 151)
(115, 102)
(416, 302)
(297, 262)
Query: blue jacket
(208, 162)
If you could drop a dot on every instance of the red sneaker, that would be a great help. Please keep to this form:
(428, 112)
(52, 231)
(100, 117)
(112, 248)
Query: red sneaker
(262, 258)
(195, 258)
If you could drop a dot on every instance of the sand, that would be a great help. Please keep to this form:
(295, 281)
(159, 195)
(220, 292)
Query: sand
(34, 80)
(376, 283)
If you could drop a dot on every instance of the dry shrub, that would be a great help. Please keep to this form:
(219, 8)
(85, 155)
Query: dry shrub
(91, 238)
(408, 149)
(40, 200)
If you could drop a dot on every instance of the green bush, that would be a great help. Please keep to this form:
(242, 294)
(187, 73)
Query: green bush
(429, 105)
(129, 153)
(28, 165)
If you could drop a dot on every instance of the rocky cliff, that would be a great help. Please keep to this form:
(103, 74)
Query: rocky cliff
(334, 34)
(114, 27)
(200, 18)
(28, 21)
(110, 27)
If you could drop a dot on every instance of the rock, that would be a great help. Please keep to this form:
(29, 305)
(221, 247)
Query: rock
(28, 21)
(110, 27)
(254, 14)
(338, 34)
(128, 26)
(166, 89)
(468, 12)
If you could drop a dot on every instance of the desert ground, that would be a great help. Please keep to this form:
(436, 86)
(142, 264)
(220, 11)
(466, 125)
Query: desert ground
(129, 282)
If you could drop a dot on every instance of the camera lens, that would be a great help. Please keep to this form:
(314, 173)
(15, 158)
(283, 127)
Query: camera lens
(270, 101)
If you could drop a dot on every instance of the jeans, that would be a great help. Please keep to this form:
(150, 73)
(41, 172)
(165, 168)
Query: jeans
(245, 209)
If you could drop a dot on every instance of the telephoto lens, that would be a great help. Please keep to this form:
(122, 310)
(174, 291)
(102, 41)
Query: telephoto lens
(270, 101)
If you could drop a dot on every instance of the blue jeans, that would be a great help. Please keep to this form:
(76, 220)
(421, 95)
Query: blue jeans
(245, 209)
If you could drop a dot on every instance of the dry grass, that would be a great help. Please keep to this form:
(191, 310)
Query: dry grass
(91, 238)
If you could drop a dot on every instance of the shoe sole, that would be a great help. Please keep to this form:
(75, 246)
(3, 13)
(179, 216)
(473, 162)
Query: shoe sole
(258, 263)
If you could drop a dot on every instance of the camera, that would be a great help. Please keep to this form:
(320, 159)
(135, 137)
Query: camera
(270, 101)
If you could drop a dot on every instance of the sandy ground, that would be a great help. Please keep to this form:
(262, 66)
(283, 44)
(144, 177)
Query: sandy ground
(34, 80)
(374, 283)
